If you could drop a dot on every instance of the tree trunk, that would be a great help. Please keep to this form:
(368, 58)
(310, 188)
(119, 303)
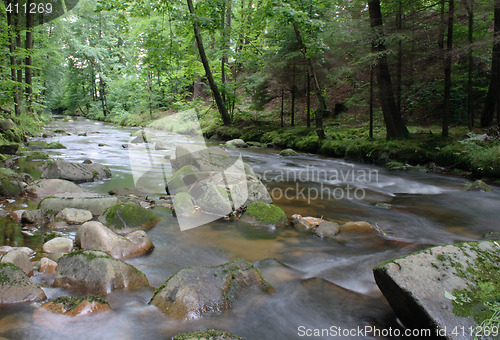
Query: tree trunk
(470, 60)
(321, 99)
(292, 114)
(102, 95)
(19, 72)
(371, 101)
(282, 115)
(11, 22)
(308, 99)
(447, 69)
(492, 99)
(29, 59)
(215, 91)
(399, 71)
(392, 116)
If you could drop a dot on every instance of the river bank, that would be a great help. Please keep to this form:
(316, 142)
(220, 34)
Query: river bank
(475, 154)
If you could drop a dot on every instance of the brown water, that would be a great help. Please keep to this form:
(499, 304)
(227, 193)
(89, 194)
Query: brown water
(319, 283)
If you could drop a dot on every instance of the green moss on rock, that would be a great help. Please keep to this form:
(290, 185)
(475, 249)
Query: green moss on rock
(129, 217)
(208, 334)
(267, 214)
(71, 302)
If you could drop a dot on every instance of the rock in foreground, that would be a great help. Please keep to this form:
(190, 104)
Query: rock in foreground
(201, 291)
(209, 334)
(49, 187)
(76, 306)
(16, 286)
(96, 272)
(430, 288)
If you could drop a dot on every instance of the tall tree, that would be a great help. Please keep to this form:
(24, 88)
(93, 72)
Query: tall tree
(469, 5)
(28, 63)
(447, 69)
(493, 98)
(395, 127)
(221, 105)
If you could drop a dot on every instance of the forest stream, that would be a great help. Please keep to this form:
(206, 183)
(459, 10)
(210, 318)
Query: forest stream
(318, 283)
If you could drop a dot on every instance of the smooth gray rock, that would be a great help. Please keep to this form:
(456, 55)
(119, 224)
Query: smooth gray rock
(74, 216)
(76, 172)
(16, 286)
(96, 272)
(418, 286)
(49, 187)
(96, 204)
(36, 216)
(201, 291)
(20, 259)
(327, 229)
(58, 245)
(96, 236)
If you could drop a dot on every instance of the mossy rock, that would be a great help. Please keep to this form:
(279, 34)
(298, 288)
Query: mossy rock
(288, 153)
(77, 305)
(38, 155)
(201, 291)
(265, 215)
(16, 286)
(176, 183)
(124, 218)
(478, 186)
(9, 184)
(208, 334)
(40, 144)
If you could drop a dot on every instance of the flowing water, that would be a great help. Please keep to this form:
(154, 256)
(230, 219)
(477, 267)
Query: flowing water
(320, 284)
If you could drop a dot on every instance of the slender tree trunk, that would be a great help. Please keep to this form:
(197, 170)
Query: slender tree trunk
(292, 114)
(319, 92)
(282, 115)
(308, 99)
(221, 105)
(148, 79)
(447, 69)
(28, 75)
(12, 22)
(102, 95)
(392, 116)
(492, 99)
(371, 101)
(469, 5)
(399, 71)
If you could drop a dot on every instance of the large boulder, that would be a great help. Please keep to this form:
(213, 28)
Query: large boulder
(76, 172)
(96, 272)
(96, 236)
(124, 218)
(200, 291)
(265, 215)
(218, 184)
(20, 259)
(443, 287)
(16, 286)
(96, 204)
(50, 187)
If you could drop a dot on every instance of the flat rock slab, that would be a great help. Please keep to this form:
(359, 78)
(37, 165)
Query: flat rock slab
(201, 291)
(76, 172)
(97, 273)
(49, 187)
(16, 286)
(96, 204)
(419, 286)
